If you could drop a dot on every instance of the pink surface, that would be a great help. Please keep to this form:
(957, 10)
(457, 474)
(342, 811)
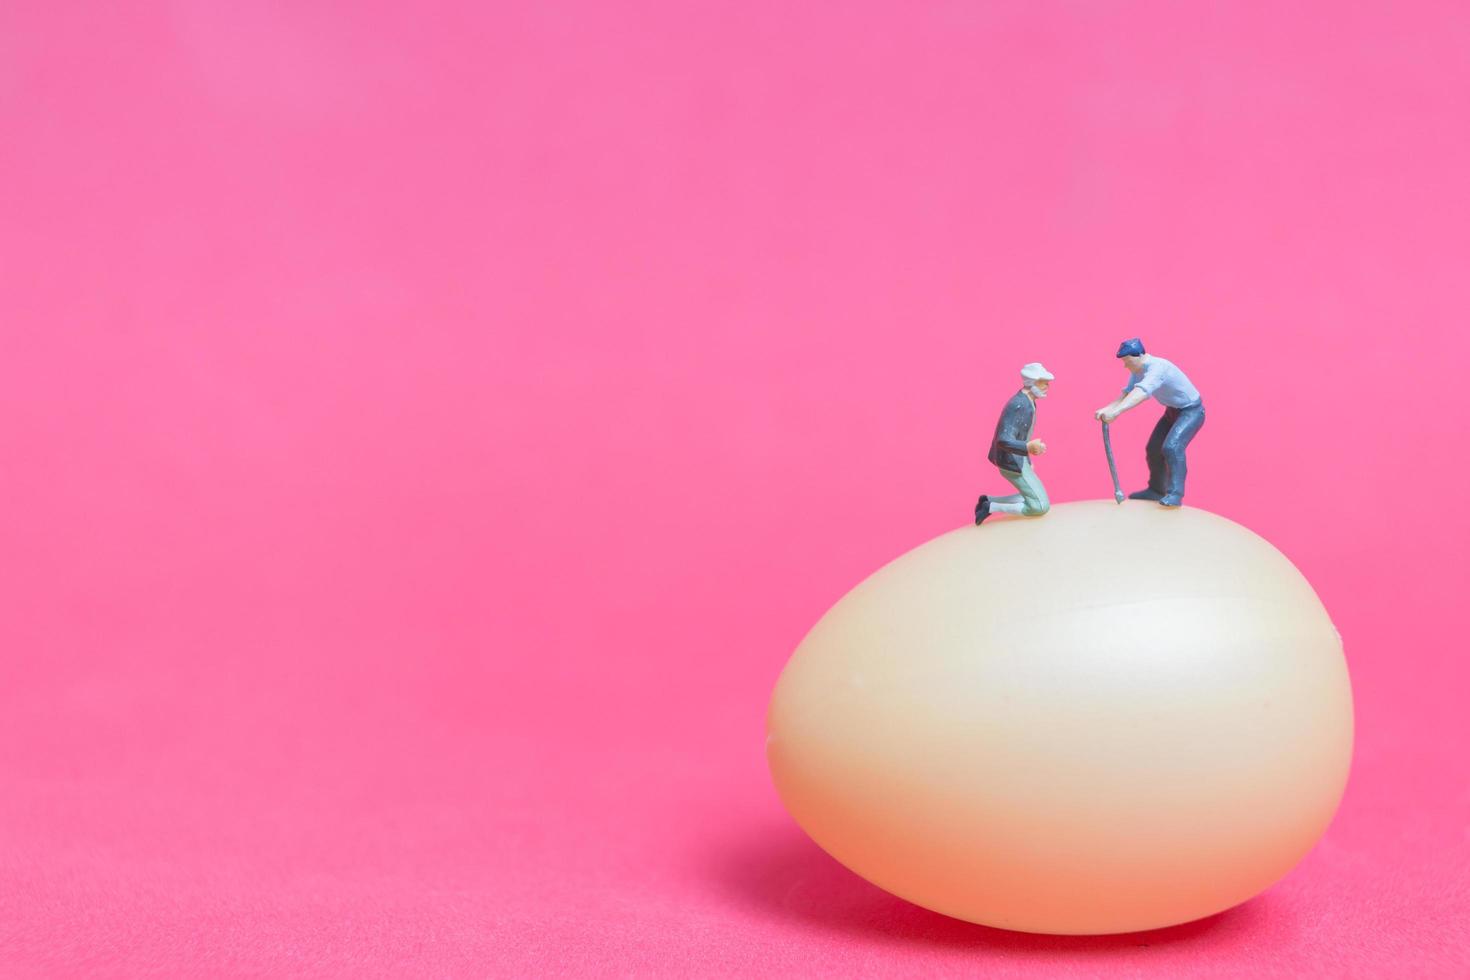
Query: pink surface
(427, 431)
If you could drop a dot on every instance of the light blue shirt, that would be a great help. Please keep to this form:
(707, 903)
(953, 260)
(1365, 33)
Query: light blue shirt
(1164, 381)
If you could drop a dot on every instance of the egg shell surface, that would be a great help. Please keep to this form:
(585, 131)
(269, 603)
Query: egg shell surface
(1107, 719)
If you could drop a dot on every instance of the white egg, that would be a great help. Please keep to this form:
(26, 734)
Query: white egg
(1106, 719)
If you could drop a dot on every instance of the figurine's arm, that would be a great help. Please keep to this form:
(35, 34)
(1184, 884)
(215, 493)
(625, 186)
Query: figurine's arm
(1139, 387)
(1012, 446)
(1112, 410)
(1133, 399)
(1013, 438)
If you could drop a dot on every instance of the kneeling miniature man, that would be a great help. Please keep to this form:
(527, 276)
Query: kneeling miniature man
(1012, 446)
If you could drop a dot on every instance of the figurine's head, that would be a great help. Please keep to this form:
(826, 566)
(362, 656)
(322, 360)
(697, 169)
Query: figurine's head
(1131, 353)
(1036, 379)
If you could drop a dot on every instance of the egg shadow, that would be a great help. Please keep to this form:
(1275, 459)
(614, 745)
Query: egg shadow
(780, 873)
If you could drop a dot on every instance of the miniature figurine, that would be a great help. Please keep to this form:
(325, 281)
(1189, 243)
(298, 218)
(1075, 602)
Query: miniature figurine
(1183, 415)
(1011, 447)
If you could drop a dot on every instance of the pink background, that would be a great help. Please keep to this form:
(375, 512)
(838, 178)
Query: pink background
(427, 430)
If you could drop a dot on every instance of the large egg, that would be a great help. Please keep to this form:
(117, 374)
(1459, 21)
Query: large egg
(1102, 720)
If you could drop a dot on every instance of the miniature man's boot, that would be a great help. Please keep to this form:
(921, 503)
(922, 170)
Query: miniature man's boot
(982, 509)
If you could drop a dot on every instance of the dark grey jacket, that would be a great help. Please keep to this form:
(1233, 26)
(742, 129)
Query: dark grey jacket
(1008, 448)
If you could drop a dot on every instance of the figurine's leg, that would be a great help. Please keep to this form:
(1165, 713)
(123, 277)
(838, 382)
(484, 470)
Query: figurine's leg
(1031, 501)
(1184, 429)
(1011, 503)
(1158, 467)
(1037, 502)
(986, 505)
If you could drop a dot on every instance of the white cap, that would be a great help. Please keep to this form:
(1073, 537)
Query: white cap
(1035, 372)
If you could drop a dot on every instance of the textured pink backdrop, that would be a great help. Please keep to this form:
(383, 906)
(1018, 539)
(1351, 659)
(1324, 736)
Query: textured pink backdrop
(425, 431)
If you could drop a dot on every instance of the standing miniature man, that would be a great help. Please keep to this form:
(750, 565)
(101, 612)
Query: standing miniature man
(1182, 418)
(1011, 447)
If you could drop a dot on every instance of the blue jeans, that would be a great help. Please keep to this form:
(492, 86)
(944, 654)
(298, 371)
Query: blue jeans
(1166, 464)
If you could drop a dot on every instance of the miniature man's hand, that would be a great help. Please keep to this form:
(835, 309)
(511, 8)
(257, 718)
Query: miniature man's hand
(1105, 415)
(1036, 447)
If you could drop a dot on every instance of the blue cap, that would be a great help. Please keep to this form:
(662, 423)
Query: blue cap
(1131, 348)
